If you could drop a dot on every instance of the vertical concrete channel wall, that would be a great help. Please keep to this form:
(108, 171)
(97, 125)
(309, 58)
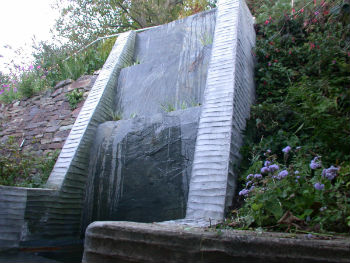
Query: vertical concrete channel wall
(71, 167)
(55, 212)
(227, 98)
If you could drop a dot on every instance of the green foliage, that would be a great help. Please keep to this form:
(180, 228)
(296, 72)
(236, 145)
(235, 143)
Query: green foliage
(19, 167)
(131, 63)
(168, 107)
(52, 66)
(116, 116)
(289, 196)
(74, 97)
(31, 83)
(190, 7)
(303, 95)
(206, 39)
(82, 21)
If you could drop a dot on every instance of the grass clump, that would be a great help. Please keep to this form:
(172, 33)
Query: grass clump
(74, 97)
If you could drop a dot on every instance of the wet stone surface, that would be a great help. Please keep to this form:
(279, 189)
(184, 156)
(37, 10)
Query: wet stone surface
(140, 168)
(170, 69)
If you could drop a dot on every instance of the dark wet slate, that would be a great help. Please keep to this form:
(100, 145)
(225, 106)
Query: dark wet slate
(140, 168)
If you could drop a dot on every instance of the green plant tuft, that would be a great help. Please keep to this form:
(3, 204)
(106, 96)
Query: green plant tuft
(74, 97)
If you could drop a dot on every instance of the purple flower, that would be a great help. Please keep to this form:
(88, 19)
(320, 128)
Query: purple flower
(282, 174)
(287, 149)
(273, 168)
(298, 177)
(330, 173)
(264, 170)
(248, 183)
(258, 176)
(30, 67)
(315, 163)
(251, 188)
(249, 176)
(1, 91)
(296, 172)
(316, 13)
(318, 186)
(267, 163)
(244, 192)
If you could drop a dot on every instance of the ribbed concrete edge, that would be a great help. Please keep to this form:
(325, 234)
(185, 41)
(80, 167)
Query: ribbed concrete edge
(72, 163)
(228, 95)
(139, 242)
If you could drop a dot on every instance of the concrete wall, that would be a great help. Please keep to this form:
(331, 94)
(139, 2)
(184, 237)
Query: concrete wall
(137, 242)
(23, 212)
(227, 99)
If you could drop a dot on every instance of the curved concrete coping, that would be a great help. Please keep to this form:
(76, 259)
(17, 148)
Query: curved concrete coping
(139, 242)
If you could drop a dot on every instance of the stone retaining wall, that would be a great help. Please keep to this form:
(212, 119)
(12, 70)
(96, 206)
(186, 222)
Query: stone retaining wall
(44, 121)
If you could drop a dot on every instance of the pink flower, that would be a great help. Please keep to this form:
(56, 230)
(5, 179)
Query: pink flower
(267, 22)
(302, 10)
(312, 45)
(38, 67)
(1, 91)
(30, 67)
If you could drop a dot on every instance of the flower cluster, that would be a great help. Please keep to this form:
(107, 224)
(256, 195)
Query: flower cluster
(315, 163)
(330, 173)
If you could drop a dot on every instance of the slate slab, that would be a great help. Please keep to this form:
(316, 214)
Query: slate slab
(140, 168)
(173, 63)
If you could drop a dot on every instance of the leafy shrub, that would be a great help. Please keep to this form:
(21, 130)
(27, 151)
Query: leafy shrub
(74, 97)
(297, 193)
(32, 82)
(302, 86)
(19, 167)
(51, 66)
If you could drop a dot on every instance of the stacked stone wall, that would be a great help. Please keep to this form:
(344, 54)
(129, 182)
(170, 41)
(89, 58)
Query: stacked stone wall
(42, 123)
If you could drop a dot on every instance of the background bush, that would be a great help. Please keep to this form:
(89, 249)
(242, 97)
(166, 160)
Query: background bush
(302, 100)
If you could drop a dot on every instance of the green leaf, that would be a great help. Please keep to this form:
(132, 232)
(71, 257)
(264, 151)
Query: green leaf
(256, 207)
